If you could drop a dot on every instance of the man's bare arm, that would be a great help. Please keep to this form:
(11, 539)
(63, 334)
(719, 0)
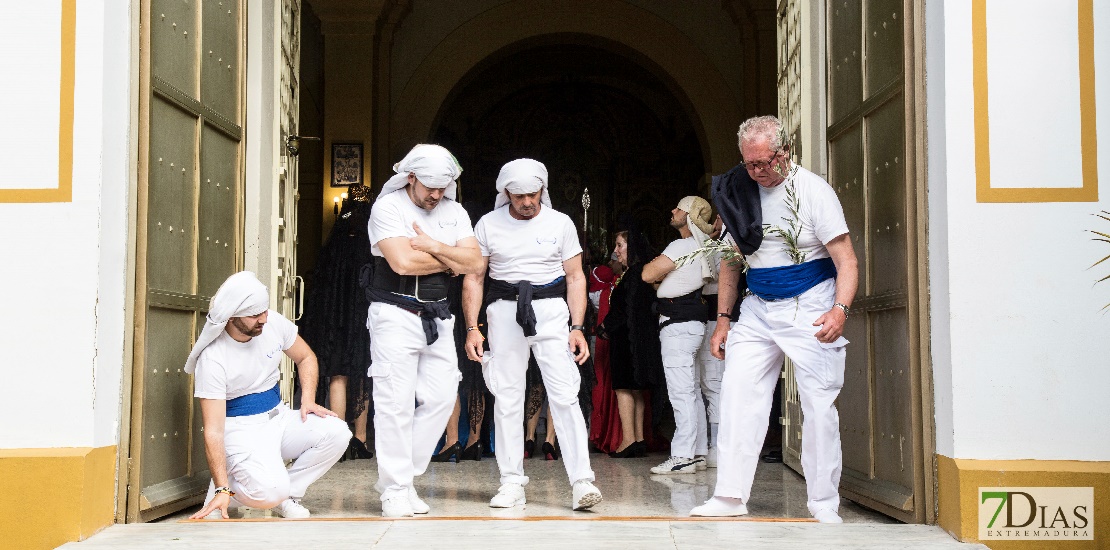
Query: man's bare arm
(576, 301)
(847, 282)
(308, 372)
(728, 281)
(658, 268)
(465, 257)
(472, 305)
(213, 413)
(405, 260)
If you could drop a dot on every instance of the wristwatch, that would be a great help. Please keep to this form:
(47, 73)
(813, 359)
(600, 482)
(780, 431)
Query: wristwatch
(843, 307)
(579, 328)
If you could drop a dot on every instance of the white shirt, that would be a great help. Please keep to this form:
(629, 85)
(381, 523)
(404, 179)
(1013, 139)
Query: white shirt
(530, 250)
(227, 369)
(394, 213)
(820, 213)
(685, 279)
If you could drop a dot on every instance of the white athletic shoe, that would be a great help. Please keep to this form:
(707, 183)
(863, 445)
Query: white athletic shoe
(720, 507)
(676, 465)
(585, 495)
(509, 495)
(825, 515)
(417, 504)
(291, 509)
(711, 458)
(700, 463)
(397, 507)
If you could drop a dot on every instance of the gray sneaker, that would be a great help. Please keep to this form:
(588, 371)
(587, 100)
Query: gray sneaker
(676, 465)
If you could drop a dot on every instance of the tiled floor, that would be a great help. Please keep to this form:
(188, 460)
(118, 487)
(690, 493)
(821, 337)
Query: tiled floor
(346, 514)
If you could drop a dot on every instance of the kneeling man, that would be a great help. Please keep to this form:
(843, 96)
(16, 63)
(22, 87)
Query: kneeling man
(248, 432)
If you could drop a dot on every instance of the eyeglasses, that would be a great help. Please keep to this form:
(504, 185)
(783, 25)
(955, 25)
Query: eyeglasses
(754, 165)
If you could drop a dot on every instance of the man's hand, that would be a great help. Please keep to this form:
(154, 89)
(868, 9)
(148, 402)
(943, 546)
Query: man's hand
(832, 325)
(579, 346)
(473, 345)
(218, 502)
(423, 242)
(717, 341)
(310, 407)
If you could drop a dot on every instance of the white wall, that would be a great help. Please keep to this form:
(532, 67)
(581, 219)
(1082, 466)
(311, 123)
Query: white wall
(1021, 351)
(64, 270)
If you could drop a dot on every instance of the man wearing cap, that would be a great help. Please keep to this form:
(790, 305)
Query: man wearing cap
(537, 289)
(248, 432)
(681, 329)
(789, 225)
(419, 237)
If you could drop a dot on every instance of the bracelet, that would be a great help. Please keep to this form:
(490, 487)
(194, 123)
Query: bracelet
(843, 307)
(729, 315)
(579, 328)
(475, 327)
(226, 490)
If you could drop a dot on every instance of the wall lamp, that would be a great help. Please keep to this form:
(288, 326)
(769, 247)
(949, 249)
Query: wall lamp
(293, 143)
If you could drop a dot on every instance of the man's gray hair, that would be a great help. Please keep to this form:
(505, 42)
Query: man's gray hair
(766, 127)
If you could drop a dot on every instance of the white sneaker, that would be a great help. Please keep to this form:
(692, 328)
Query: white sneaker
(720, 507)
(418, 505)
(711, 458)
(699, 463)
(676, 465)
(397, 507)
(291, 509)
(509, 495)
(585, 495)
(825, 515)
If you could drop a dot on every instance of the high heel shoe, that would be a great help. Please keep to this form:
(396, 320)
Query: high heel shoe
(639, 449)
(628, 452)
(356, 449)
(447, 453)
(529, 448)
(473, 452)
(549, 452)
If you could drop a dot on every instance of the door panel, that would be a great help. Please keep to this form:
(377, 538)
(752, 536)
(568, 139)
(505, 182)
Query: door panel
(288, 193)
(845, 58)
(886, 200)
(190, 202)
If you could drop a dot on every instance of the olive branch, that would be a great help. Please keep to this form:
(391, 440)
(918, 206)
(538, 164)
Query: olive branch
(794, 225)
(715, 247)
(1104, 237)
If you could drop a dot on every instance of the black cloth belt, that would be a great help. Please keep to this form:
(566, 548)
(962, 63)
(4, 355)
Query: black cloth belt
(425, 288)
(523, 293)
(428, 311)
(688, 307)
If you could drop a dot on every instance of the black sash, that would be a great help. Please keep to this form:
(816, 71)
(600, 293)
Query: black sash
(688, 307)
(424, 295)
(523, 293)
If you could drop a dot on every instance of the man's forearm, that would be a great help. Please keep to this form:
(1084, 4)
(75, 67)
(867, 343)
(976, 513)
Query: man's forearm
(576, 299)
(727, 291)
(308, 372)
(217, 457)
(459, 259)
(472, 298)
(417, 262)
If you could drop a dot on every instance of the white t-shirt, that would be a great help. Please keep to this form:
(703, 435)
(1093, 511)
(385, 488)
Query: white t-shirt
(527, 250)
(820, 213)
(685, 279)
(227, 369)
(393, 214)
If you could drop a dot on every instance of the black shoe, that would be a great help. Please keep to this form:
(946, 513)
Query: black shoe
(529, 448)
(628, 452)
(774, 456)
(549, 452)
(357, 449)
(447, 453)
(640, 449)
(473, 452)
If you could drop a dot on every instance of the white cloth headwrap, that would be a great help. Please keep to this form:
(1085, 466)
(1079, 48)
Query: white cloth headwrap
(241, 295)
(433, 165)
(521, 177)
(698, 215)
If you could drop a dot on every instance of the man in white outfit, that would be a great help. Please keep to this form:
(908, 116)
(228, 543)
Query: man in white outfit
(537, 289)
(419, 237)
(789, 224)
(248, 432)
(681, 330)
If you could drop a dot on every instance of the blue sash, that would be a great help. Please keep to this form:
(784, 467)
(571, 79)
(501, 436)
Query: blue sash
(254, 403)
(788, 281)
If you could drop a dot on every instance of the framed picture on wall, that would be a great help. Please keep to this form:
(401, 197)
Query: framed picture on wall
(346, 164)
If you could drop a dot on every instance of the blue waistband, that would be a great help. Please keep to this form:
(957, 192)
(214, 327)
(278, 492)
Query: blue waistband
(788, 281)
(254, 403)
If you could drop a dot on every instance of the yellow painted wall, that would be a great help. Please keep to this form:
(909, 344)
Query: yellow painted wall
(960, 480)
(57, 495)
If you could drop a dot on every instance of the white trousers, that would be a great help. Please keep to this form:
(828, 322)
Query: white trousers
(258, 445)
(679, 343)
(406, 370)
(710, 370)
(754, 356)
(505, 373)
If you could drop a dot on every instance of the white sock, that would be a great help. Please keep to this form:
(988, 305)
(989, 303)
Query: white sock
(713, 434)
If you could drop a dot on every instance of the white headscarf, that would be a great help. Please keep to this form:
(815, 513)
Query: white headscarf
(241, 295)
(433, 165)
(521, 177)
(699, 216)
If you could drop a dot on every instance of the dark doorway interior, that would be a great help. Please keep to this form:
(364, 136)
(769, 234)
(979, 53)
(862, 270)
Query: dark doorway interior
(597, 119)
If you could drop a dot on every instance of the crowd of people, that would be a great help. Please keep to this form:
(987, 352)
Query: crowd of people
(500, 318)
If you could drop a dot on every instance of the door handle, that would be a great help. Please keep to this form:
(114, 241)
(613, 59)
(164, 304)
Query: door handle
(298, 290)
